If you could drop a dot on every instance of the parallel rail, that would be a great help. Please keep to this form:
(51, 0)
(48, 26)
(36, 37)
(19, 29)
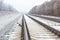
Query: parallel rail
(28, 35)
(47, 27)
(52, 19)
(25, 32)
(56, 20)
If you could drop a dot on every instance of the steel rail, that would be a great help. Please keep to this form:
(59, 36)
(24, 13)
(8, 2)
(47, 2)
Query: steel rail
(46, 26)
(52, 19)
(25, 31)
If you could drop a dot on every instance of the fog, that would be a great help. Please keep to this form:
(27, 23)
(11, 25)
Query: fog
(24, 5)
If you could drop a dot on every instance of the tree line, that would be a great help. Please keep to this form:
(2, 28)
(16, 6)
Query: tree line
(47, 8)
(5, 7)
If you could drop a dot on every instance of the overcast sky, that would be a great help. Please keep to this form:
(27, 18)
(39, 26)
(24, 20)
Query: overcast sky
(24, 5)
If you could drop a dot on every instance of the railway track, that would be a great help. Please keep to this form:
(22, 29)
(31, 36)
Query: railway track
(53, 19)
(33, 29)
(56, 19)
(25, 32)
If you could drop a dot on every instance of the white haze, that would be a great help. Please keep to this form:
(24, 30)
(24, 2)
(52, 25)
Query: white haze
(24, 5)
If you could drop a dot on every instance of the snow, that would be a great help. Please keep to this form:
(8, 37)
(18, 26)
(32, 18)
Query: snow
(52, 24)
(38, 32)
(7, 22)
(16, 35)
(4, 20)
(50, 16)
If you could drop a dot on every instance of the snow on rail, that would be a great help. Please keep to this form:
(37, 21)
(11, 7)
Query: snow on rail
(50, 16)
(52, 24)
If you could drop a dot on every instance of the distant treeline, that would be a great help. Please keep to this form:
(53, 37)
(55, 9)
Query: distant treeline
(47, 8)
(5, 7)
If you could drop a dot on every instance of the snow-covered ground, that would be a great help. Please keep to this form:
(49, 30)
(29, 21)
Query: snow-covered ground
(50, 16)
(38, 32)
(52, 24)
(7, 22)
(16, 34)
